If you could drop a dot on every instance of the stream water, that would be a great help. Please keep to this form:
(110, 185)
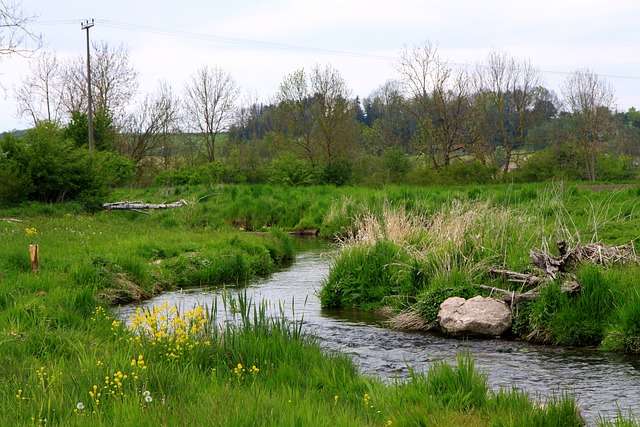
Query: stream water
(602, 383)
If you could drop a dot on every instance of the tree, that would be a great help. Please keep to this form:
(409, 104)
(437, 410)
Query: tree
(387, 116)
(295, 112)
(114, 81)
(333, 113)
(210, 98)
(104, 131)
(590, 99)
(451, 92)
(498, 78)
(38, 97)
(415, 68)
(14, 31)
(150, 125)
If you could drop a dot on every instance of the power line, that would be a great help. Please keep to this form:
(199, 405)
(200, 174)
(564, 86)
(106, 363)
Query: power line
(238, 41)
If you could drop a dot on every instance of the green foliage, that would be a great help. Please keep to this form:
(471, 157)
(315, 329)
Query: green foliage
(458, 172)
(396, 164)
(337, 172)
(563, 161)
(46, 167)
(364, 276)
(290, 170)
(104, 133)
(115, 170)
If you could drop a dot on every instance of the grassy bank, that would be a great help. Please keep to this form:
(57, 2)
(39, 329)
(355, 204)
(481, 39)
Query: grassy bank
(608, 211)
(412, 260)
(58, 339)
(66, 361)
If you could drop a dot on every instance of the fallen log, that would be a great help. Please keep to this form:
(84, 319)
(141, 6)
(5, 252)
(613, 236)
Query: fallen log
(141, 206)
(10, 220)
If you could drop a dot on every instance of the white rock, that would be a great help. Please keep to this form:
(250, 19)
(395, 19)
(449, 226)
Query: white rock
(475, 316)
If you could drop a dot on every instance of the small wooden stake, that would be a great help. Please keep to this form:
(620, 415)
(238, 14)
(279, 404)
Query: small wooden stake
(34, 251)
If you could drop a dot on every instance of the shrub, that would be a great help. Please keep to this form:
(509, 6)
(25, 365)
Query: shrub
(396, 164)
(44, 166)
(290, 170)
(337, 172)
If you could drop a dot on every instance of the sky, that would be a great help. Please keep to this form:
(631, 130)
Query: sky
(258, 42)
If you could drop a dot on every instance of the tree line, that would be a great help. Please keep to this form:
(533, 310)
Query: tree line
(489, 120)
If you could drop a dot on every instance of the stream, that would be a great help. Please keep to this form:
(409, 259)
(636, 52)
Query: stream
(603, 383)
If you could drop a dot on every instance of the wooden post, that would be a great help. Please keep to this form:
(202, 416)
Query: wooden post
(33, 256)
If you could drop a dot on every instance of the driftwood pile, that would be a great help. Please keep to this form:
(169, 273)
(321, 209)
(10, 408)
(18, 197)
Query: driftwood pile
(550, 267)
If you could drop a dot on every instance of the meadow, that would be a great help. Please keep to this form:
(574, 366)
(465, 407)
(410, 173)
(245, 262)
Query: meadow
(65, 360)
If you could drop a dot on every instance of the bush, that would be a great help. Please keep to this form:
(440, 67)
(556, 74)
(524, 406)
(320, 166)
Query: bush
(396, 164)
(564, 161)
(116, 170)
(337, 172)
(45, 166)
(458, 172)
(290, 170)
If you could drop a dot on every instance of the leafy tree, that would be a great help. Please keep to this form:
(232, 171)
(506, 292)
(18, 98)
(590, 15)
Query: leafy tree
(104, 132)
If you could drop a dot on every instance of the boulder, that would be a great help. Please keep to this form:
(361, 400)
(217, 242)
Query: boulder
(475, 316)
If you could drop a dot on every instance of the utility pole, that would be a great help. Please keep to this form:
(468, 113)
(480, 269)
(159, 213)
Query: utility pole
(86, 25)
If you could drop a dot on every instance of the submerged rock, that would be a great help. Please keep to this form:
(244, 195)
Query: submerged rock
(475, 316)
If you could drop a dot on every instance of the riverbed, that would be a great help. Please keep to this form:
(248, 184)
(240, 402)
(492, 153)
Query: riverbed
(603, 383)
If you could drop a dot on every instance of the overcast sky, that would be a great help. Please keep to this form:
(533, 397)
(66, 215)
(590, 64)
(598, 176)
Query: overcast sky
(556, 35)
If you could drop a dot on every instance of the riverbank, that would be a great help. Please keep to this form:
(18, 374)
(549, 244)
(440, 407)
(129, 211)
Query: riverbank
(408, 264)
(58, 341)
(67, 361)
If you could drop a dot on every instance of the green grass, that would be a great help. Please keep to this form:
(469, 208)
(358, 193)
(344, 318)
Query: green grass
(56, 342)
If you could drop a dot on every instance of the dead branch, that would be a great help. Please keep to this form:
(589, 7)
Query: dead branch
(595, 253)
(141, 206)
(516, 277)
(570, 286)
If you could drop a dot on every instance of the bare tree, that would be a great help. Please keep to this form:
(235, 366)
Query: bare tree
(38, 96)
(295, 101)
(524, 94)
(149, 127)
(332, 110)
(450, 97)
(415, 68)
(498, 78)
(210, 98)
(14, 31)
(590, 99)
(74, 85)
(113, 78)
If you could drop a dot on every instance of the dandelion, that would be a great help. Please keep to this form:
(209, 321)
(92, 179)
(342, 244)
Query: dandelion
(254, 370)
(146, 393)
(80, 406)
(148, 399)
